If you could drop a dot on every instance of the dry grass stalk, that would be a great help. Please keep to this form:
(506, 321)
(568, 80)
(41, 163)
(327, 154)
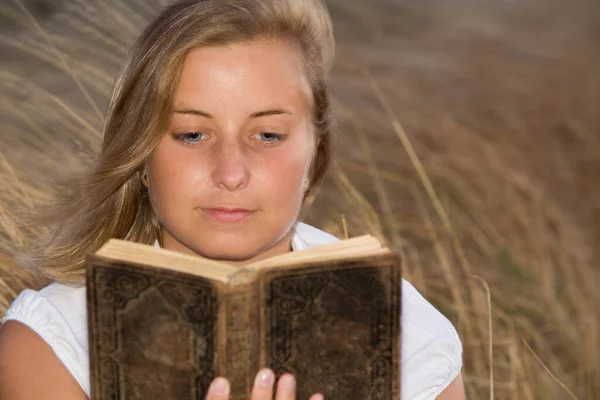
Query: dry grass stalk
(538, 359)
(344, 226)
(490, 333)
(59, 55)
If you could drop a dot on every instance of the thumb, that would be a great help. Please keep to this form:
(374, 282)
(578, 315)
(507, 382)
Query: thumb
(218, 389)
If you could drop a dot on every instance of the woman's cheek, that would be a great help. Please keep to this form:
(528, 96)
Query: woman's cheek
(172, 178)
(287, 172)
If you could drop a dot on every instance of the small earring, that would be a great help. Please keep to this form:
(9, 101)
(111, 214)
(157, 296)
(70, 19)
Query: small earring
(306, 184)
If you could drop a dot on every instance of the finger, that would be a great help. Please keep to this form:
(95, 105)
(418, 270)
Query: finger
(218, 389)
(263, 385)
(286, 388)
(317, 396)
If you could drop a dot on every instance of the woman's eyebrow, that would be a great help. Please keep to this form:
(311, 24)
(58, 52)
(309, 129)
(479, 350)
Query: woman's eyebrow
(257, 114)
(191, 111)
(264, 113)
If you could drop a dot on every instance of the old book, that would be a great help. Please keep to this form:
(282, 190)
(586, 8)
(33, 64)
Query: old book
(162, 324)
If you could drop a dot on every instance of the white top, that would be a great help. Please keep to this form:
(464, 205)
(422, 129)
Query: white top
(431, 349)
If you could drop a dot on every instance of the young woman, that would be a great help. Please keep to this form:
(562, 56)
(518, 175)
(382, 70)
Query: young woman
(218, 129)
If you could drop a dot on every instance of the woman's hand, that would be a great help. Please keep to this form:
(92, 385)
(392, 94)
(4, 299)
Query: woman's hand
(262, 389)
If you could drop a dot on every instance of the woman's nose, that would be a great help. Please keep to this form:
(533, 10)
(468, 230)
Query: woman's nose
(230, 171)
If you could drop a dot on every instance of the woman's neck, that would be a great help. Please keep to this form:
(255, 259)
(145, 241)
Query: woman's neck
(284, 245)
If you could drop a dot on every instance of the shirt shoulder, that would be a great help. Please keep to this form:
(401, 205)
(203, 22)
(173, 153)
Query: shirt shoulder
(431, 348)
(306, 236)
(57, 313)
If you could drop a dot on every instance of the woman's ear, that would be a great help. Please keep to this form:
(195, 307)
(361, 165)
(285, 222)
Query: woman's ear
(306, 183)
(144, 176)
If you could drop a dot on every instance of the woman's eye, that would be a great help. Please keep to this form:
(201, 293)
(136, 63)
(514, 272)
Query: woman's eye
(192, 137)
(269, 137)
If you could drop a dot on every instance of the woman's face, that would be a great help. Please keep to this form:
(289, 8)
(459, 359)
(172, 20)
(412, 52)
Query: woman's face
(228, 177)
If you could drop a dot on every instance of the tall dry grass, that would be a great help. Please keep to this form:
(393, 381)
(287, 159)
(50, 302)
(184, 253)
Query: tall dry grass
(465, 149)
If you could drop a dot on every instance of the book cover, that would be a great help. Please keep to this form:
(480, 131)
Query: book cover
(164, 325)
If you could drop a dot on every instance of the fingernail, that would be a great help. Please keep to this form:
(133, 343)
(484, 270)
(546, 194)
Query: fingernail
(319, 397)
(265, 378)
(288, 383)
(219, 386)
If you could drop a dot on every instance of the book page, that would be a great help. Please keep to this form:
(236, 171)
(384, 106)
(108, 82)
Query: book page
(143, 254)
(361, 246)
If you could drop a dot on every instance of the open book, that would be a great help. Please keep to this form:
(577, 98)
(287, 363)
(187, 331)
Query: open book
(163, 324)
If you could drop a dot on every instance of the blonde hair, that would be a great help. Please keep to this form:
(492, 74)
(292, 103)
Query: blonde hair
(110, 201)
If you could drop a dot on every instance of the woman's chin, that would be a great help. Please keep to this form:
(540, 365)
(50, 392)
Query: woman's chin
(238, 247)
(240, 251)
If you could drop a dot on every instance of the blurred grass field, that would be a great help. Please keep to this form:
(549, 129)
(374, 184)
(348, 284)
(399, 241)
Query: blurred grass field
(467, 137)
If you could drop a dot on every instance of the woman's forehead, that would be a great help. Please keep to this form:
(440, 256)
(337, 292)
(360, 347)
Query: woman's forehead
(262, 72)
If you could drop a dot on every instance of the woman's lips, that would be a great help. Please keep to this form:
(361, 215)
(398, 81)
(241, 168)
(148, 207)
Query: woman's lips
(229, 215)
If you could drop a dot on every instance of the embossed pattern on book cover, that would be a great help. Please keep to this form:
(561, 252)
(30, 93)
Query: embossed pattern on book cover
(155, 333)
(337, 329)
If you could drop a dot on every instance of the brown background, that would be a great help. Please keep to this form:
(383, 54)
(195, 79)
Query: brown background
(499, 100)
